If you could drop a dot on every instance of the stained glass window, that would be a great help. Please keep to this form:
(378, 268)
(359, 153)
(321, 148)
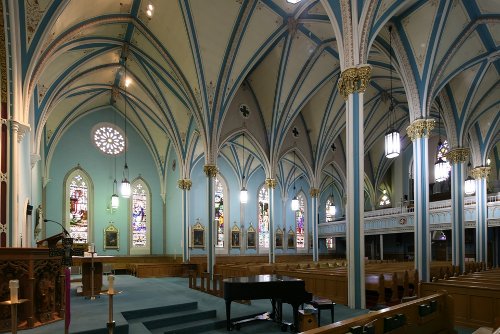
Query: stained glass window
(219, 212)
(300, 223)
(384, 199)
(108, 138)
(441, 153)
(329, 216)
(140, 217)
(263, 216)
(78, 207)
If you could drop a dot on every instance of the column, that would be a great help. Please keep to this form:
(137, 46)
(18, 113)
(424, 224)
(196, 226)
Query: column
(418, 131)
(314, 214)
(211, 173)
(457, 158)
(4, 184)
(185, 186)
(271, 184)
(481, 175)
(381, 246)
(352, 83)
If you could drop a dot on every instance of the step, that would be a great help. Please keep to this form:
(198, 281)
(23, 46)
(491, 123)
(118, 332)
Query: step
(154, 311)
(193, 327)
(175, 319)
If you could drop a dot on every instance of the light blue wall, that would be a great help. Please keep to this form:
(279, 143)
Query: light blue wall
(75, 147)
(173, 202)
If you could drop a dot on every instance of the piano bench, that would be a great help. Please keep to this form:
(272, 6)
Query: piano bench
(320, 303)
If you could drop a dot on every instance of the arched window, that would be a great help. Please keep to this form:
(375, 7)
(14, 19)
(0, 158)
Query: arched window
(140, 201)
(78, 191)
(263, 215)
(442, 150)
(219, 212)
(300, 224)
(329, 216)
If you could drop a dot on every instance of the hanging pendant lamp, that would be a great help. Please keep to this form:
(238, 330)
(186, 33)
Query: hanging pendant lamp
(125, 187)
(392, 141)
(332, 210)
(470, 183)
(440, 166)
(295, 200)
(243, 191)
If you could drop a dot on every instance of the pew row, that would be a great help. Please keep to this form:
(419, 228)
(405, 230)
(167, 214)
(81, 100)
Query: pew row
(477, 297)
(431, 315)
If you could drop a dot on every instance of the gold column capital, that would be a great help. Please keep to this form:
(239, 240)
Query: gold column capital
(480, 172)
(271, 183)
(354, 79)
(210, 170)
(314, 192)
(420, 128)
(457, 155)
(185, 184)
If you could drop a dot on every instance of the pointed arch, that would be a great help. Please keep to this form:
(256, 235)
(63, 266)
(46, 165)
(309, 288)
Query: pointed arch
(78, 205)
(140, 218)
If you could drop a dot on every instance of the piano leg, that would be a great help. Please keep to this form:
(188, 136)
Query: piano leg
(228, 315)
(295, 317)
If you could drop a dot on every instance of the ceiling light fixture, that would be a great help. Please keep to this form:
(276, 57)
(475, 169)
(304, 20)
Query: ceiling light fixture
(440, 167)
(243, 191)
(125, 187)
(332, 208)
(392, 142)
(470, 183)
(295, 200)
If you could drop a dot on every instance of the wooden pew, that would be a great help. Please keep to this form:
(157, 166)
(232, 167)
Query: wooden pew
(431, 314)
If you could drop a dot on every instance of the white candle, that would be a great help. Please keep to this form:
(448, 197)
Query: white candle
(111, 280)
(91, 248)
(14, 287)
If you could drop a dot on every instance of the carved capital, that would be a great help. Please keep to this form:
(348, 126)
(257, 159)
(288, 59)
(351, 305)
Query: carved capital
(457, 155)
(34, 158)
(480, 172)
(271, 183)
(314, 192)
(210, 170)
(20, 128)
(185, 184)
(420, 128)
(354, 79)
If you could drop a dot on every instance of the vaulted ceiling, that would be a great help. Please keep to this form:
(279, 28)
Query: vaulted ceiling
(196, 65)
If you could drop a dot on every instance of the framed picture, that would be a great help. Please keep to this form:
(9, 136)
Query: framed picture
(291, 239)
(111, 237)
(251, 237)
(235, 236)
(198, 235)
(279, 238)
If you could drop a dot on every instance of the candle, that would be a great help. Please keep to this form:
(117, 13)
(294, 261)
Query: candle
(111, 280)
(14, 287)
(91, 248)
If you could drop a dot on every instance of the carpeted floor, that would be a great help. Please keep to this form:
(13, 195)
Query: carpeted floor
(151, 294)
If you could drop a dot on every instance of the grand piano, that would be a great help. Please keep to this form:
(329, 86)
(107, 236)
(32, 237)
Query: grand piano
(280, 289)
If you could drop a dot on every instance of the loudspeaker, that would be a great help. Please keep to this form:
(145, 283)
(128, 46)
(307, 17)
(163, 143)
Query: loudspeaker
(29, 210)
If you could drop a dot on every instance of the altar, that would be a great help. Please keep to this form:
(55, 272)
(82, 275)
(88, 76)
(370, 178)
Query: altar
(87, 263)
(41, 282)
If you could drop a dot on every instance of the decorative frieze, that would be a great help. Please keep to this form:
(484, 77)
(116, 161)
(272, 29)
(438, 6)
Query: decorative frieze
(420, 128)
(210, 170)
(458, 155)
(185, 184)
(480, 172)
(271, 183)
(314, 192)
(354, 79)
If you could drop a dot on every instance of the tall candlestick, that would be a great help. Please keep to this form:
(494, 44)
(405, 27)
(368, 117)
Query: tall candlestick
(91, 248)
(14, 287)
(111, 280)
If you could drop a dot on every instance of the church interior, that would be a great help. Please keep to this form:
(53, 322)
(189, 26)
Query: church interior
(353, 144)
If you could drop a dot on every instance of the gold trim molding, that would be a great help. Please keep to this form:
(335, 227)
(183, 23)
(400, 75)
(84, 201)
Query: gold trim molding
(185, 184)
(210, 170)
(420, 128)
(457, 155)
(271, 183)
(480, 172)
(314, 192)
(354, 79)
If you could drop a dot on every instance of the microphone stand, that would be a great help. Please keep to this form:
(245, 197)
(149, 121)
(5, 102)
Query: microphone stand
(66, 233)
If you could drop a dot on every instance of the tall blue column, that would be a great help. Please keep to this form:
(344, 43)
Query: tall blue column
(314, 222)
(418, 131)
(481, 176)
(271, 184)
(211, 173)
(457, 158)
(185, 186)
(352, 84)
